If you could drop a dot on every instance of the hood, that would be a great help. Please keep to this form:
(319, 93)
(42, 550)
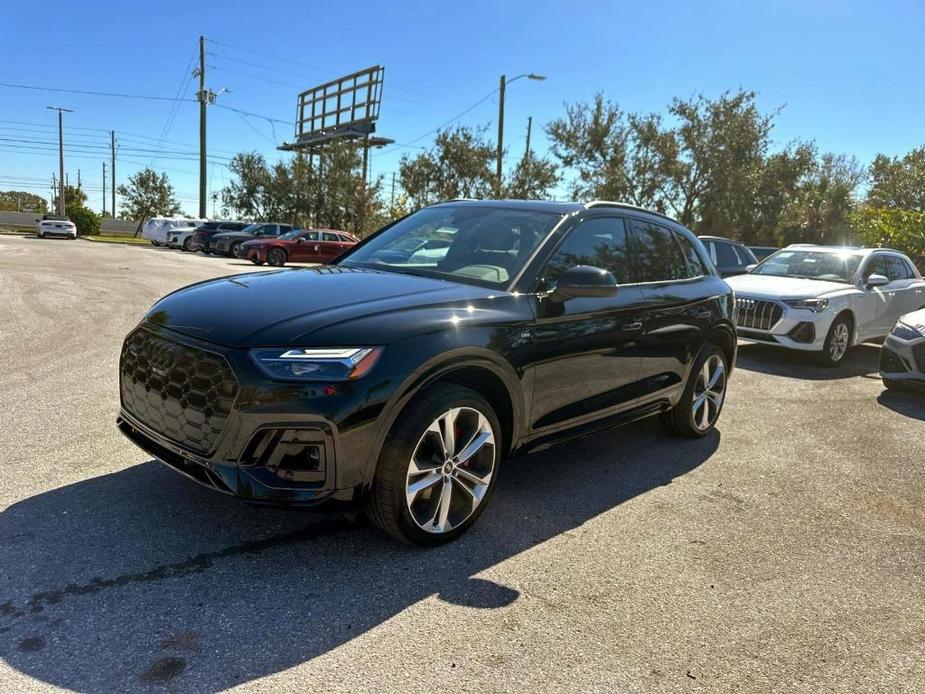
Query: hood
(286, 307)
(772, 287)
(916, 319)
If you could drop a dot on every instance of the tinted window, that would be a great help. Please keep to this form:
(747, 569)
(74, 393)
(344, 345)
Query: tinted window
(726, 254)
(899, 270)
(330, 237)
(310, 235)
(656, 255)
(597, 242)
(694, 263)
(876, 266)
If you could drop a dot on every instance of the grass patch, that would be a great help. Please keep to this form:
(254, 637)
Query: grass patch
(131, 240)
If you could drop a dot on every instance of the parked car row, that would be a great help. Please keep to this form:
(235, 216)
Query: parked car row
(274, 243)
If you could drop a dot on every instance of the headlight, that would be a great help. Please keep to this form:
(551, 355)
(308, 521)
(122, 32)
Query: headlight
(323, 364)
(812, 304)
(905, 332)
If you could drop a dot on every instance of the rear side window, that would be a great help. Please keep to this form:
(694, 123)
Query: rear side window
(599, 242)
(656, 254)
(330, 237)
(694, 263)
(726, 254)
(899, 269)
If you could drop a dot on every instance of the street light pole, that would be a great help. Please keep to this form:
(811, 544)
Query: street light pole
(502, 87)
(61, 111)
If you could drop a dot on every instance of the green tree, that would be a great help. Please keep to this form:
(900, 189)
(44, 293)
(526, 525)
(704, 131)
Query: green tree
(459, 165)
(896, 228)
(148, 194)
(20, 200)
(533, 179)
(899, 181)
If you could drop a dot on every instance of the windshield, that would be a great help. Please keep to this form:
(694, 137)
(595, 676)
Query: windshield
(476, 245)
(830, 266)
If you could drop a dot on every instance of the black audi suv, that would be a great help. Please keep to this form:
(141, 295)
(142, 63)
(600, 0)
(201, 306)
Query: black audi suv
(398, 384)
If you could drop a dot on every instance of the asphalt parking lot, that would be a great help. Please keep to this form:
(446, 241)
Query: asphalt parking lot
(784, 553)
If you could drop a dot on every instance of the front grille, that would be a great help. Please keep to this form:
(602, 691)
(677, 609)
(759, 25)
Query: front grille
(919, 353)
(756, 313)
(181, 392)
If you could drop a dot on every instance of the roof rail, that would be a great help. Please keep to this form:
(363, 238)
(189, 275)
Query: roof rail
(627, 206)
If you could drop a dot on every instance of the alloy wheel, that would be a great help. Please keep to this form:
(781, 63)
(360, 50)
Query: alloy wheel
(450, 470)
(839, 343)
(709, 392)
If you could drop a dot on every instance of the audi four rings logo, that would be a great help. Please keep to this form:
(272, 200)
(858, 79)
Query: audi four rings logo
(163, 357)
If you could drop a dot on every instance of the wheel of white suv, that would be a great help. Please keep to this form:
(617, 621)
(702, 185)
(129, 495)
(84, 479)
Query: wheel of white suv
(438, 466)
(837, 342)
(700, 405)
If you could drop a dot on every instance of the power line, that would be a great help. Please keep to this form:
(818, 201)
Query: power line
(175, 106)
(119, 95)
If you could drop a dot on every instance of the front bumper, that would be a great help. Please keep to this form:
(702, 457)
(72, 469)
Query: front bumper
(797, 328)
(298, 444)
(903, 360)
(255, 255)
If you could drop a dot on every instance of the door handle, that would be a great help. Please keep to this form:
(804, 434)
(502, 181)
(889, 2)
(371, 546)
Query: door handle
(632, 326)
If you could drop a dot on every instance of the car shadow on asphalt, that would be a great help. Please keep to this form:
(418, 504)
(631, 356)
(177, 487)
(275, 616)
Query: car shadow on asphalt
(141, 577)
(911, 404)
(861, 361)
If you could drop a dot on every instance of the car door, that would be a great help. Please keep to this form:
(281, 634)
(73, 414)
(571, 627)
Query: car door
(679, 310)
(876, 305)
(587, 361)
(909, 295)
(306, 248)
(331, 246)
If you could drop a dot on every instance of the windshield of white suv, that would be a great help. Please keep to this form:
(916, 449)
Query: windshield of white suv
(486, 245)
(829, 266)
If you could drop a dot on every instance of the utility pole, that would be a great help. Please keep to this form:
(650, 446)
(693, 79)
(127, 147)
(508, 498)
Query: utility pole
(529, 126)
(78, 179)
(104, 188)
(392, 200)
(112, 134)
(202, 127)
(501, 88)
(61, 111)
(54, 191)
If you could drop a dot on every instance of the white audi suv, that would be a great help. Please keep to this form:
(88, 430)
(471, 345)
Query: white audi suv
(825, 299)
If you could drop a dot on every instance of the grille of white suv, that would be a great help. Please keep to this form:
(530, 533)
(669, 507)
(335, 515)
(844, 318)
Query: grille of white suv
(757, 314)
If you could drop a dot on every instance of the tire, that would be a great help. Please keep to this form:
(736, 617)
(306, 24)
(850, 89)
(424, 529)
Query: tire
(430, 517)
(233, 250)
(696, 413)
(276, 257)
(837, 342)
(186, 245)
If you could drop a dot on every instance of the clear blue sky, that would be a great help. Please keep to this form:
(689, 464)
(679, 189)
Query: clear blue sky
(847, 74)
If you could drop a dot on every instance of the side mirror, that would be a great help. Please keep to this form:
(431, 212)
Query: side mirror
(876, 280)
(749, 268)
(301, 239)
(584, 281)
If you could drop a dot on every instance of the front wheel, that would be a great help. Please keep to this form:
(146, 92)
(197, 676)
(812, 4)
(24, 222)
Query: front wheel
(276, 257)
(186, 245)
(700, 405)
(837, 342)
(438, 466)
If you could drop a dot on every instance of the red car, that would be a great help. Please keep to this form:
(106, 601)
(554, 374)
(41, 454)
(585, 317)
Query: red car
(299, 246)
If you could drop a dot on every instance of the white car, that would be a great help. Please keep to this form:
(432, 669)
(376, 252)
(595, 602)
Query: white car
(156, 229)
(56, 225)
(902, 357)
(825, 299)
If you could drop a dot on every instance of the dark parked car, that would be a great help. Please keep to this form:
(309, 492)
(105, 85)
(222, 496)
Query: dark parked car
(202, 235)
(401, 388)
(730, 257)
(298, 246)
(228, 242)
(762, 252)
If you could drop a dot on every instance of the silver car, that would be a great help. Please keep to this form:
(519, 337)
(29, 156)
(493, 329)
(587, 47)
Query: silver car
(902, 357)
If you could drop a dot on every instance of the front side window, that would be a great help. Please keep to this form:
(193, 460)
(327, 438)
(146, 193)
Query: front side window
(656, 254)
(877, 266)
(598, 242)
(830, 266)
(487, 245)
(898, 268)
(310, 235)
